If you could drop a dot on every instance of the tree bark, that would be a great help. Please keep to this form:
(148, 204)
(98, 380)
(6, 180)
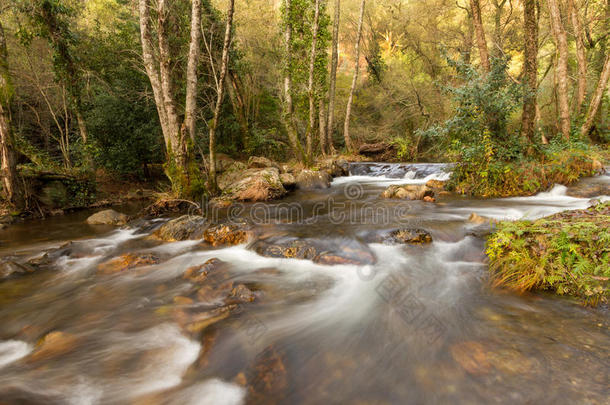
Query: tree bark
(152, 71)
(310, 82)
(530, 69)
(167, 86)
(561, 42)
(333, 78)
(288, 107)
(480, 34)
(348, 141)
(190, 109)
(498, 37)
(224, 67)
(10, 184)
(581, 57)
(597, 98)
(322, 123)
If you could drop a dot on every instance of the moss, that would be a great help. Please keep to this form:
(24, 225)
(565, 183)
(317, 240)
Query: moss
(524, 177)
(566, 253)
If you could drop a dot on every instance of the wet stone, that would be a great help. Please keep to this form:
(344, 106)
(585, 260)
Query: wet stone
(52, 345)
(182, 228)
(127, 262)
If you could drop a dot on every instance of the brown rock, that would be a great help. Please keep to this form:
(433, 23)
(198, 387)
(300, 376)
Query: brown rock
(407, 192)
(127, 262)
(479, 220)
(435, 184)
(241, 293)
(54, 344)
(411, 236)
(107, 217)
(471, 356)
(199, 274)
(229, 233)
(201, 321)
(429, 199)
(267, 378)
(288, 181)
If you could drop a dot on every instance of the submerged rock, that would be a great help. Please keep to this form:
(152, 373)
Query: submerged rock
(54, 344)
(412, 236)
(255, 185)
(199, 274)
(436, 184)
(312, 179)
(480, 220)
(107, 217)
(182, 228)
(127, 262)
(330, 252)
(202, 320)
(408, 192)
(266, 378)
(10, 268)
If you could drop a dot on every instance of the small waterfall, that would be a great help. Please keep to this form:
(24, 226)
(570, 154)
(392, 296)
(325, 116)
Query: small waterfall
(398, 170)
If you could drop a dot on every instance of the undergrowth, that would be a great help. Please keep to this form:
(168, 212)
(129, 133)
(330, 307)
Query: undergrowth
(566, 253)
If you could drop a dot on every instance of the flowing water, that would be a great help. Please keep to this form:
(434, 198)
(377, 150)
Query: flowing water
(420, 325)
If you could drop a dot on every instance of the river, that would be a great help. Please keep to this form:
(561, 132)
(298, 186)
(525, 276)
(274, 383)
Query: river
(419, 325)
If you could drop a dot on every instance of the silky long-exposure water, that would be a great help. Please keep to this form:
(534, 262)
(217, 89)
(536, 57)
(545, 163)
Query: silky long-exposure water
(415, 325)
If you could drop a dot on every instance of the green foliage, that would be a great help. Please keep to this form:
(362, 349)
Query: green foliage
(567, 253)
(478, 131)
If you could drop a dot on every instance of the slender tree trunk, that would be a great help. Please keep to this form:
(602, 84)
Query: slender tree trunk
(597, 98)
(530, 69)
(468, 40)
(167, 86)
(348, 141)
(333, 78)
(498, 37)
(190, 109)
(288, 106)
(152, 71)
(480, 34)
(10, 184)
(322, 123)
(310, 82)
(561, 42)
(581, 57)
(224, 67)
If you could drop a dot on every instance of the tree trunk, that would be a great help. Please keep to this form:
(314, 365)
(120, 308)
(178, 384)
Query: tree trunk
(468, 40)
(561, 42)
(10, 183)
(581, 57)
(597, 98)
(224, 67)
(530, 69)
(322, 122)
(190, 109)
(480, 34)
(152, 71)
(348, 141)
(167, 87)
(310, 82)
(498, 40)
(333, 78)
(288, 107)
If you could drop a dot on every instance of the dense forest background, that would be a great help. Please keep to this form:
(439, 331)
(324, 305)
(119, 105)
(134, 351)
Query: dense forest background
(441, 80)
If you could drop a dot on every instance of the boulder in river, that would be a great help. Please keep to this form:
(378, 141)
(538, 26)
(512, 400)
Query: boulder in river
(182, 228)
(255, 185)
(199, 274)
(288, 181)
(330, 252)
(228, 233)
(436, 184)
(107, 217)
(313, 179)
(408, 192)
(10, 268)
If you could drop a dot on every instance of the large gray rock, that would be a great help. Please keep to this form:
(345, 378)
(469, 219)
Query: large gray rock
(107, 217)
(255, 185)
(182, 228)
(312, 179)
(259, 162)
